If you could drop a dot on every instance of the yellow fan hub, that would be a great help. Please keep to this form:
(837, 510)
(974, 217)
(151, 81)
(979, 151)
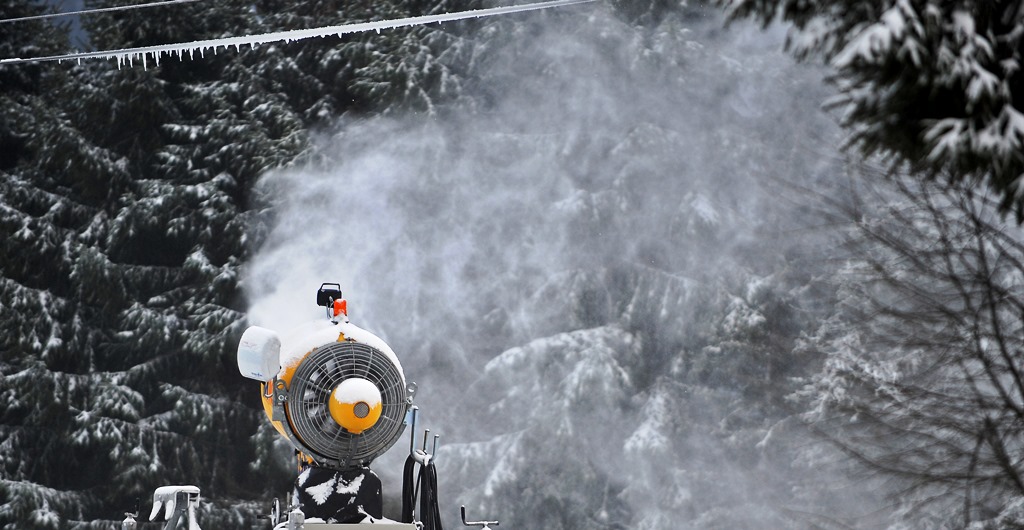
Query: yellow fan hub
(355, 404)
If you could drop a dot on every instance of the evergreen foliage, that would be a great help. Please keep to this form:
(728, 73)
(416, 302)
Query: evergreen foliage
(931, 84)
(653, 318)
(126, 209)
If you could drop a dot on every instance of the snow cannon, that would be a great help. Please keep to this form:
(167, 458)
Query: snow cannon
(334, 390)
(338, 393)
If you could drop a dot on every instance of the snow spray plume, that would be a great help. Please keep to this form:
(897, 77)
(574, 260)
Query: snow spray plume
(576, 249)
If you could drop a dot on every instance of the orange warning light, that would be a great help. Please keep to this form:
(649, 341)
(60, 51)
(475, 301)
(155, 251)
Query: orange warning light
(340, 306)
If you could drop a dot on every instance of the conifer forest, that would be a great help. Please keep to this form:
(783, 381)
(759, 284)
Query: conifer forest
(734, 264)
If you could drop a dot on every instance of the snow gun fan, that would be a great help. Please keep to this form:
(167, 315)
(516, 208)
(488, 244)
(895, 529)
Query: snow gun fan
(334, 390)
(338, 393)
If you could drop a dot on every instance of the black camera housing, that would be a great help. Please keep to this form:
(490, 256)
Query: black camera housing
(325, 296)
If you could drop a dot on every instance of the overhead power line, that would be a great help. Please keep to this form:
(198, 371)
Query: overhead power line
(97, 10)
(129, 55)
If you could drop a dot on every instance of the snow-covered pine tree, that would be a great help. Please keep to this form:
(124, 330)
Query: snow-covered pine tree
(408, 68)
(418, 68)
(126, 215)
(118, 295)
(44, 350)
(937, 86)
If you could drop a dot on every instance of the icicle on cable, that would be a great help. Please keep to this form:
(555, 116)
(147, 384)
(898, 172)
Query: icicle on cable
(127, 55)
(97, 10)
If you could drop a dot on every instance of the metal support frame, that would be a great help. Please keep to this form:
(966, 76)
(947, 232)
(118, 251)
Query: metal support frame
(484, 525)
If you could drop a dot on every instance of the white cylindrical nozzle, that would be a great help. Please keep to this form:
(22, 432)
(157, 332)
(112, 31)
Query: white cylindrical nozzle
(259, 354)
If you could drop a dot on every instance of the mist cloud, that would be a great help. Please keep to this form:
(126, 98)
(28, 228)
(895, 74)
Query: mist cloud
(598, 146)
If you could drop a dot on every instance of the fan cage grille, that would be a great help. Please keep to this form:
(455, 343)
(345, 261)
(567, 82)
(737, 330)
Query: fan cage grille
(312, 384)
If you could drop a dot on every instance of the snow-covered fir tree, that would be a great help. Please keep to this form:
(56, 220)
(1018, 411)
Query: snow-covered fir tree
(126, 218)
(934, 85)
(39, 361)
(585, 222)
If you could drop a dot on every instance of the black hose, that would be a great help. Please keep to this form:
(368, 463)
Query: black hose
(429, 513)
(408, 490)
